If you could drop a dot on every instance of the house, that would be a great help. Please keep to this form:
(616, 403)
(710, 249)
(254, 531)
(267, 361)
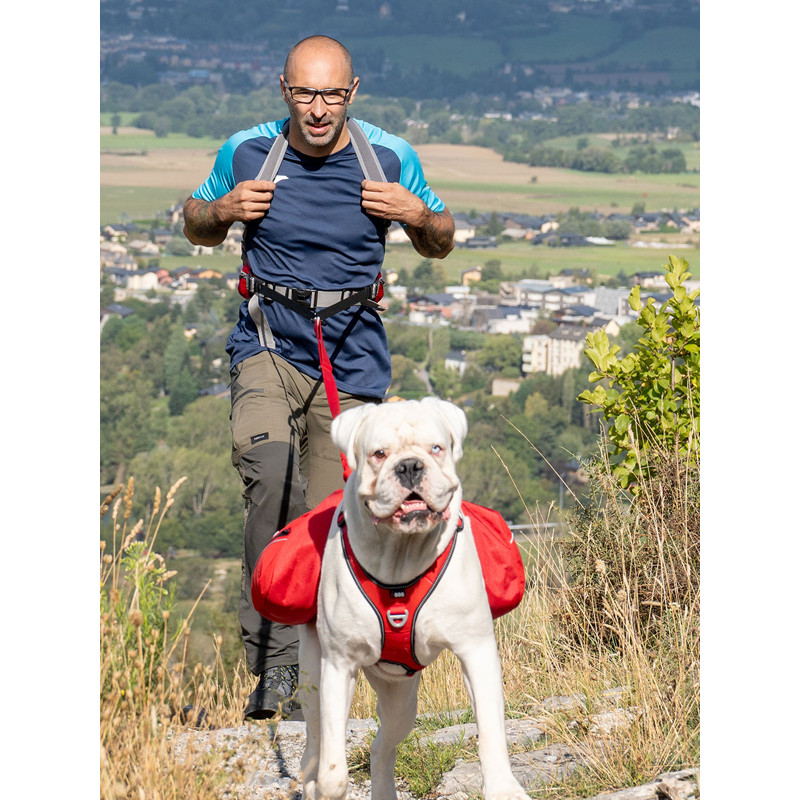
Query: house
(562, 349)
(503, 387)
(649, 280)
(471, 275)
(480, 242)
(114, 310)
(511, 319)
(531, 292)
(456, 360)
(612, 302)
(464, 230)
(142, 280)
(570, 277)
(144, 247)
(580, 314)
(425, 309)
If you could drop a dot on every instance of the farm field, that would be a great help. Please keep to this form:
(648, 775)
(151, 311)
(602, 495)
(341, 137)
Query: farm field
(142, 174)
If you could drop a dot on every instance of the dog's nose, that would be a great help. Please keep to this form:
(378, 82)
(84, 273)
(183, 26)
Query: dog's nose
(409, 472)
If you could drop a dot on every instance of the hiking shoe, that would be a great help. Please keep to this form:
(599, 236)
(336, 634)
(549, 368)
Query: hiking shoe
(275, 695)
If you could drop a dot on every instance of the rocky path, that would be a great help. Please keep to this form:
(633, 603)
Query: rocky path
(264, 759)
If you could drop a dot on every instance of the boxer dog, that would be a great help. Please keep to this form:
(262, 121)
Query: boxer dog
(400, 512)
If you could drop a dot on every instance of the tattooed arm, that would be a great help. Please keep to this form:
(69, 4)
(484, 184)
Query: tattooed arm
(431, 232)
(208, 223)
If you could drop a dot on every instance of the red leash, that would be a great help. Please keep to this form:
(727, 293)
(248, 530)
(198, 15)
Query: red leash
(328, 380)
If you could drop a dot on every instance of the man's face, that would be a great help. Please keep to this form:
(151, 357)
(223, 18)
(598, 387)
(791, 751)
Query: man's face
(316, 128)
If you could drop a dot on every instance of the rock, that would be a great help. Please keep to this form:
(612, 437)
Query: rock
(683, 785)
(533, 769)
(263, 759)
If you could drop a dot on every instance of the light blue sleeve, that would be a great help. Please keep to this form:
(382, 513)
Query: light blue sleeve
(222, 180)
(411, 174)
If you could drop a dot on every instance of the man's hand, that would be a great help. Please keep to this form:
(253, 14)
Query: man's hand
(208, 223)
(430, 232)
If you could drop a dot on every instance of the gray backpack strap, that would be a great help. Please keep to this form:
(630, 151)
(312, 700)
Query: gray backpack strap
(269, 169)
(370, 165)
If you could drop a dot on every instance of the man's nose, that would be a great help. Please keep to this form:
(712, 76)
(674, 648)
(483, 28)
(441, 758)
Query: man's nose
(318, 107)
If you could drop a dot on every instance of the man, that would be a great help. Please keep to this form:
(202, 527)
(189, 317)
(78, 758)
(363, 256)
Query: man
(319, 225)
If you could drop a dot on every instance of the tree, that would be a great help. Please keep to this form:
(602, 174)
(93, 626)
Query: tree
(501, 352)
(428, 276)
(650, 397)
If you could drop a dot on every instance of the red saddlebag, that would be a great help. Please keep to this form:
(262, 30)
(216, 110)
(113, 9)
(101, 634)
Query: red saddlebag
(286, 578)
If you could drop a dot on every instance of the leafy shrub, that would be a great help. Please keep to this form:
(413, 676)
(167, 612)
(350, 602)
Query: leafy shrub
(651, 397)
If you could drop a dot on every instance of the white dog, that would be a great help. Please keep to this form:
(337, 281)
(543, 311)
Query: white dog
(401, 512)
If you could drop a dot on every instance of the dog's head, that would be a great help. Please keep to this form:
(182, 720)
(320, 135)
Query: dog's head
(403, 455)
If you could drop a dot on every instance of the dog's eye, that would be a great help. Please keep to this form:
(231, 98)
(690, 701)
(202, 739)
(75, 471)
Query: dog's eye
(379, 455)
(436, 449)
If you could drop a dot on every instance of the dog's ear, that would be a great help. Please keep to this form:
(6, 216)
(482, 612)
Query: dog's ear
(343, 431)
(455, 420)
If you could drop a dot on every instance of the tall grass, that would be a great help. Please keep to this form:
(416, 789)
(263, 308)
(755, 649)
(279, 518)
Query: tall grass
(616, 607)
(148, 694)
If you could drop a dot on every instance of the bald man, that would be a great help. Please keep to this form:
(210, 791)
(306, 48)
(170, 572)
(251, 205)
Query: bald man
(313, 235)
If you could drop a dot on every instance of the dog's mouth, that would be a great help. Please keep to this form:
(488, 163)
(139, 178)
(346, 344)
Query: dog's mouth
(413, 508)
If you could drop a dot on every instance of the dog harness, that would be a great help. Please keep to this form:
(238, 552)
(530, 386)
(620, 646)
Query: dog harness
(397, 606)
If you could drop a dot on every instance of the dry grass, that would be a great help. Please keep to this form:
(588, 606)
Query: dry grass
(607, 611)
(148, 692)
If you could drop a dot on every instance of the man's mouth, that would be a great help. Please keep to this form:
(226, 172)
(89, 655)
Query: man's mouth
(318, 128)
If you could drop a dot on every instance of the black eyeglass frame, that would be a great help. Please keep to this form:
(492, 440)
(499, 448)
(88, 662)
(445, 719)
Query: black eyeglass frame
(340, 101)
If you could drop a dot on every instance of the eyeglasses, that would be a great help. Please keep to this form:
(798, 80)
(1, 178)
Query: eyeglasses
(331, 97)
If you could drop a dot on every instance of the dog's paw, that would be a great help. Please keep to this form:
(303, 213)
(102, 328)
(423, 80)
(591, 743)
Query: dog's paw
(510, 791)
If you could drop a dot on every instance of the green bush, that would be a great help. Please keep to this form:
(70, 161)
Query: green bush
(651, 397)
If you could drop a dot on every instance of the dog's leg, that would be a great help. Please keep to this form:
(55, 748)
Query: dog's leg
(308, 691)
(397, 711)
(484, 681)
(336, 687)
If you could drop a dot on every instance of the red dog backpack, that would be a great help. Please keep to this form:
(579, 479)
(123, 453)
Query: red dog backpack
(286, 578)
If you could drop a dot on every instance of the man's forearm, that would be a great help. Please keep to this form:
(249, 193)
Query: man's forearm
(201, 225)
(434, 237)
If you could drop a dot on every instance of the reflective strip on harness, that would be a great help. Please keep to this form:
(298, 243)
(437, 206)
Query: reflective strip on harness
(397, 606)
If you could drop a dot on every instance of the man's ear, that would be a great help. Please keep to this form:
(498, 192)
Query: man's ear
(284, 93)
(353, 91)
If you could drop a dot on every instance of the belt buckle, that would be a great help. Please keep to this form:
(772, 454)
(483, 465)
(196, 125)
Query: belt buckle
(302, 296)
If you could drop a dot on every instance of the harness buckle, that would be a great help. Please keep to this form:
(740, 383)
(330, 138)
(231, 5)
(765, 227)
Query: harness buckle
(302, 296)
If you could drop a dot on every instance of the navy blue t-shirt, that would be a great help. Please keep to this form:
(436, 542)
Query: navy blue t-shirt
(317, 235)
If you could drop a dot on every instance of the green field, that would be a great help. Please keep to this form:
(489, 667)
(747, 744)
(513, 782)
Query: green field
(571, 39)
(518, 257)
(118, 203)
(515, 259)
(144, 141)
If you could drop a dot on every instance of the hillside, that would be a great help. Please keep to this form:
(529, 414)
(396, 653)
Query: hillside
(451, 47)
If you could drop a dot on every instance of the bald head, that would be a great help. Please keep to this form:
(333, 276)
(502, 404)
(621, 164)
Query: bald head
(315, 47)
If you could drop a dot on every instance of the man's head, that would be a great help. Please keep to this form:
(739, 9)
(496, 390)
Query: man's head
(318, 127)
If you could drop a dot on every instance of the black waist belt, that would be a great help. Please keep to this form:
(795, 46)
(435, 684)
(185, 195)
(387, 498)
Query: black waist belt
(313, 303)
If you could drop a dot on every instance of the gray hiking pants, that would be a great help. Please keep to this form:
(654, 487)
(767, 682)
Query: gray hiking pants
(280, 422)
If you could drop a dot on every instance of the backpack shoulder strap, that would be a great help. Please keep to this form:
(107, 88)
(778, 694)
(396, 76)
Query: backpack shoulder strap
(370, 165)
(269, 169)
